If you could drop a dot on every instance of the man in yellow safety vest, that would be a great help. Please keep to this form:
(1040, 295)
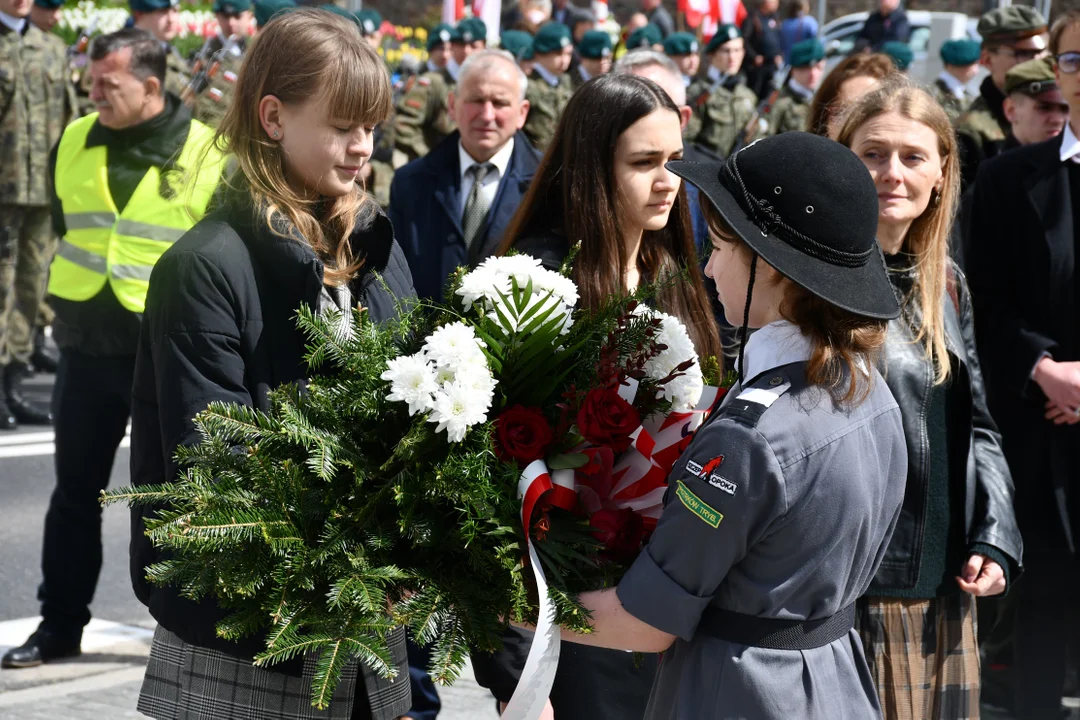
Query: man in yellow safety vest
(128, 181)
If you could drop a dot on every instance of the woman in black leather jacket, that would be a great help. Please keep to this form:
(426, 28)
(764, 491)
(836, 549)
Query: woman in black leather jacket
(956, 538)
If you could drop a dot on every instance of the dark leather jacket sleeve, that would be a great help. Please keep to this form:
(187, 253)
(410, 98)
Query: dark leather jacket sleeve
(993, 520)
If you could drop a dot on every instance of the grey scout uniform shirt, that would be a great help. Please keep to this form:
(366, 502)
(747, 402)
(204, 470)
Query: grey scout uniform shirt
(789, 519)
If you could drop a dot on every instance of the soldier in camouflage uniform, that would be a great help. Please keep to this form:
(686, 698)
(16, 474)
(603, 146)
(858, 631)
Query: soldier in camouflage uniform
(961, 60)
(36, 102)
(594, 51)
(723, 106)
(221, 59)
(549, 86)
(421, 115)
(161, 19)
(790, 111)
(46, 14)
(1010, 35)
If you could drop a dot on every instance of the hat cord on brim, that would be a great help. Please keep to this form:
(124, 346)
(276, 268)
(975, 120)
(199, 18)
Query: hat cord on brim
(745, 332)
(766, 218)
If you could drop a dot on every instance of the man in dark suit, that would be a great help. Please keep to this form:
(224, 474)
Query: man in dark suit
(1022, 264)
(450, 208)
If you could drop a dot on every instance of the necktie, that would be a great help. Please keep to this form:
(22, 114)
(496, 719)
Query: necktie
(476, 206)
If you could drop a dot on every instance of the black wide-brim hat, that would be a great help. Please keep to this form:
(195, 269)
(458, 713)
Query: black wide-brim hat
(808, 206)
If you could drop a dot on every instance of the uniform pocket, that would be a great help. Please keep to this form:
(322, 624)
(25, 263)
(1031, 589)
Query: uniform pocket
(720, 113)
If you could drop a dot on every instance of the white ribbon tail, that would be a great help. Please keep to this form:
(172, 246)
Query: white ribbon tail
(534, 687)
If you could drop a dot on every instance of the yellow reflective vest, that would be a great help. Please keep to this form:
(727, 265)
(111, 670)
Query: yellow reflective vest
(103, 244)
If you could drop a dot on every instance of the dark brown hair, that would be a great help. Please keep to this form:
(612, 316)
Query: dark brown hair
(845, 344)
(1063, 23)
(575, 186)
(822, 107)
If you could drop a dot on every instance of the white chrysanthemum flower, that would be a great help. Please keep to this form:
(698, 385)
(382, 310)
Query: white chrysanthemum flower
(482, 283)
(683, 392)
(453, 346)
(412, 380)
(562, 287)
(458, 407)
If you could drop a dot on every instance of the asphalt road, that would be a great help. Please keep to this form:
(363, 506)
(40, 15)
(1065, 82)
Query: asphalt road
(104, 683)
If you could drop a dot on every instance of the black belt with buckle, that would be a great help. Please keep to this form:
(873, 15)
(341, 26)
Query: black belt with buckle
(775, 633)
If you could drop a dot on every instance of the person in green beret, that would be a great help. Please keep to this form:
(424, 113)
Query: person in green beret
(1010, 35)
(594, 51)
(792, 108)
(960, 58)
(515, 41)
(549, 87)
(222, 56)
(683, 48)
(649, 37)
(723, 106)
(422, 114)
(161, 18)
(471, 36)
(234, 17)
(45, 14)
(370, 22)
(266, 9)
(900, 53)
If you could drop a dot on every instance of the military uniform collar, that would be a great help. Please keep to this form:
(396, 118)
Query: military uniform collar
(797, 88)
(775, 345)
(13, 23)
(548, 77)
(1070, 145)
(715, 76)
(952, 84)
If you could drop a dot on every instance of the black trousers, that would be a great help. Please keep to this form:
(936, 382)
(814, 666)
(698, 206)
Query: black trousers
(1045, 609)
(91, 405)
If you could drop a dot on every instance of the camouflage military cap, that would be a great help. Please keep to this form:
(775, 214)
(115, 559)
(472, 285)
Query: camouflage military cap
(681, 43)
(266, 9)
(551, 38)
(439, 35)
(231, 7)
(148, 6)
(515, 41)
(900, 53)
(1011, 23)
(595, 44)
(1033, 77)
(960, 52)
(806, 53)
(645, 37)
(724, 34)
(471, 30)
(49, 4)
(369, 21)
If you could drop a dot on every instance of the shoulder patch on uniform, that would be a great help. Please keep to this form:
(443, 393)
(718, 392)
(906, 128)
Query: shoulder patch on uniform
(424, 81)
(414, 104)
(702, 99)
(699, 507)
(702, 471)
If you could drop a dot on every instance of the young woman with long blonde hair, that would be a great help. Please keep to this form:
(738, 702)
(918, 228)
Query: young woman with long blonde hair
(294, 229)
(957, 537)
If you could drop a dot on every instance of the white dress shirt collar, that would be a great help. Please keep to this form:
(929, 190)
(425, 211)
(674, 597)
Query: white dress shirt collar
(800, 90)
(453, 68)
(1070, 145)
(584, 73)
(13, 23)
(432, 67)
(501, 159)
(543, 72)
(715, 76)
(776, 344)
(955, 86)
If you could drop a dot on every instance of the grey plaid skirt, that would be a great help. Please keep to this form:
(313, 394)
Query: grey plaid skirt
(189, 682)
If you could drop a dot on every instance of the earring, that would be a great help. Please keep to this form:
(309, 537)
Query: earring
(935, 197)
(276, 134)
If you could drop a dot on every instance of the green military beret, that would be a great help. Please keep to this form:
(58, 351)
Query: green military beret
(806, 53)
(231, 7)
(724, 34)
(645, 37)
(266, 9)
(900, 53)
(470, 30)
(338, 10)
(1011, 23)
(680, 43)
(49, 4)
(369, 21)
(151, 5)
(529, 52)
(595, 44)
(551, 38)
(515, 41)
(439, 35)
(1033, 77)
(960, 52)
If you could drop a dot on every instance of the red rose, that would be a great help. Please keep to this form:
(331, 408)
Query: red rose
(522, 434)
(620, 531)
(606, 419)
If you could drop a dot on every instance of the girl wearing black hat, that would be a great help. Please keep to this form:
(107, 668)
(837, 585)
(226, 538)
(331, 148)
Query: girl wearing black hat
(957, 537)
(778, 514)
